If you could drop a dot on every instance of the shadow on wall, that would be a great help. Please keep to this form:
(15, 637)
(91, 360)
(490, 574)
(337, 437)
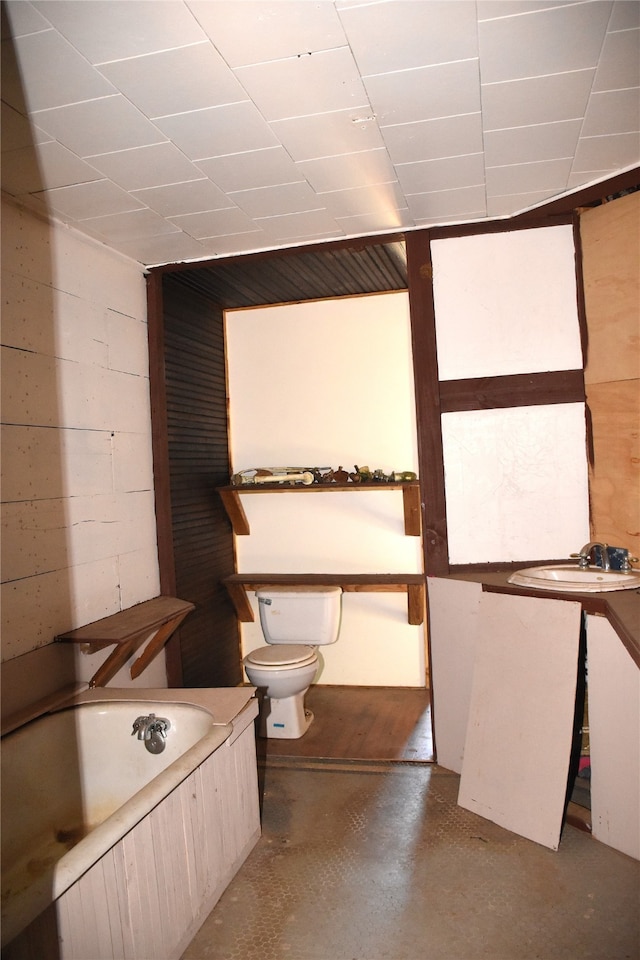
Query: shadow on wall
(36, 590)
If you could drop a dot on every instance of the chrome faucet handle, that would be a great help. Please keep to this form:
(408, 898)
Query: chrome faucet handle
(138, 727)
(582, 558)
(141, 727)
(159, 726)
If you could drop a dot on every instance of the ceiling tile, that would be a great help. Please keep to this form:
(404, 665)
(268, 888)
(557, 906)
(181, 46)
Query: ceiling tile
(169, 248)
(609, 153)
(505, 206)
(150, 166)
(528, 177)
(517, 103)
(176, 81)
(218, 131)
(625, 15)
(52, 73)
(317, 118)
(362, 200)
(99, 126)
(444, 90)
(545, 141)
(619, 65)
(229, 244)
(17, 132)
(21, 171)
(348, 170)
(271, 201)
(103, 30)
(51, 165)
(450, 174)
(309, 225)
(214, 223)
(132, 225)
(434, 139)
(616, 111)
(494, 9)
(381, 222)
(86, 200)
(253, 32)
(449, 204)
(535, 44)
(286, 88)
(194, 196)
(24, 18)
(328, 134)
(255, 168)
(401, 34)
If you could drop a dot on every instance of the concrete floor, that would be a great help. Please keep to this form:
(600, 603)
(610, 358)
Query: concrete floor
(377, 862)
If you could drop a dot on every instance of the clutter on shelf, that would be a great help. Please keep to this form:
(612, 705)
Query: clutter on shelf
(311, 475)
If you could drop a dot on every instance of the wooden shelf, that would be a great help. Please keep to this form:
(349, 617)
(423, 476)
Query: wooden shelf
(127, 630)
(231, 499)
(413, 584)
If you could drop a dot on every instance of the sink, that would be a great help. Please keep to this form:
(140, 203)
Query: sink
(569, 578)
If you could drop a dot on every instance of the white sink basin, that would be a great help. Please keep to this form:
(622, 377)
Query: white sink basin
(569, 578)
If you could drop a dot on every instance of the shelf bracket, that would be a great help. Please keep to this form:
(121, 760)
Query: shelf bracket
(153, 620)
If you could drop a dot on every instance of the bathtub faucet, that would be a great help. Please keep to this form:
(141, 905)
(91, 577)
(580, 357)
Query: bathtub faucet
(153, 730)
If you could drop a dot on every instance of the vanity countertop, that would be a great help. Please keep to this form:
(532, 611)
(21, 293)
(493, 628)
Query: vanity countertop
(621, 607)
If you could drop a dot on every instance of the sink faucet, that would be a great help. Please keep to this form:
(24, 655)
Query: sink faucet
(585, 554)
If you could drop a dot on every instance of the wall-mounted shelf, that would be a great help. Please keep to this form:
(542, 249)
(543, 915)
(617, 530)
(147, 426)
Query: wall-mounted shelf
(413, 584)
(154, 619)
(410, 494)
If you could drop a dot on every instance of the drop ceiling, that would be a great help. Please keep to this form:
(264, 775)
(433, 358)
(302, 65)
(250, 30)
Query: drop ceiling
(183, 131)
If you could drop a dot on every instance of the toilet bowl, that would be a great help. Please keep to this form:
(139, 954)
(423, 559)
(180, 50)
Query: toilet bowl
(282, 674)
(294, 622)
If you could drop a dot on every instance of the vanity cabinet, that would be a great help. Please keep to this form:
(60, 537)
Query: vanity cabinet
(468, 627)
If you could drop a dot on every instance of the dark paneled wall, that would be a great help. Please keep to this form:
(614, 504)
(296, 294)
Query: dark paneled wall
(198, 462)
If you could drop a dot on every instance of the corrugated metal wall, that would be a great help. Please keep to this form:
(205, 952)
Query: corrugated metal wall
(198, 463)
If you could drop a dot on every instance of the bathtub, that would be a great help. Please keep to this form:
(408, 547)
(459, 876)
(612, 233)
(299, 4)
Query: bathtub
(111, 851)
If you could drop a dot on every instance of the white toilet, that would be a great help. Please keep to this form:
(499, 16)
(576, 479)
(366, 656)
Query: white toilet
(294, 620)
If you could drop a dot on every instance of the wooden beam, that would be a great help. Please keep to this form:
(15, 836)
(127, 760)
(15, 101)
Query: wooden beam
(425, 363)
(515, 390)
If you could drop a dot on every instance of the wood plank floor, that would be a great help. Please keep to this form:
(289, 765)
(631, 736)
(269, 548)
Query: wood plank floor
(362, 723)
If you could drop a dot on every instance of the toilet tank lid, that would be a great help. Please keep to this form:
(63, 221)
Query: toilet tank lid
(295, 592)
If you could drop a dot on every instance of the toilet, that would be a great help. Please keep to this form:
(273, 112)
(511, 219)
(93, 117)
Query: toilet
(295, 621)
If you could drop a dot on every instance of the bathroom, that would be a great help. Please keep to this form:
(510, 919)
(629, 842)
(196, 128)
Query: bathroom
(107, 545)
(101, 565)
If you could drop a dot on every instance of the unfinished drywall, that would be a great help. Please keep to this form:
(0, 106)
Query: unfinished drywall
(79, 540)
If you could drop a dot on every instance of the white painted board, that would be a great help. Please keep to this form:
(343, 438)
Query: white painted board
(453, 616)
(518, 744)
(614, 738)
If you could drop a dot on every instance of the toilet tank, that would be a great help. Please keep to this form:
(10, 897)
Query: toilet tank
(300, 614)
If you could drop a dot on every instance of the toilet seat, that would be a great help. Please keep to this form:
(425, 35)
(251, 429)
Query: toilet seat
(282, 655)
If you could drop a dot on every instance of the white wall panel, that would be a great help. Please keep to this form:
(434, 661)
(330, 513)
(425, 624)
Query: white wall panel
(516, 483)
(506, 303)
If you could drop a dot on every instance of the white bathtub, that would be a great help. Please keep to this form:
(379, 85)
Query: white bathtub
(114, 850)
